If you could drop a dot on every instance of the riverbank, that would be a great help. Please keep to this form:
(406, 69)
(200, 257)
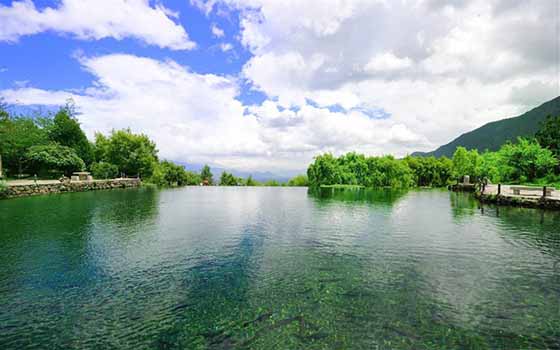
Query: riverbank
(30, 188)
(520, 196)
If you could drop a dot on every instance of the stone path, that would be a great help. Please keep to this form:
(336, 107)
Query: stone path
(508, 192)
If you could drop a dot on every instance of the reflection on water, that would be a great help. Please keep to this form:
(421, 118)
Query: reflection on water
(265, 268)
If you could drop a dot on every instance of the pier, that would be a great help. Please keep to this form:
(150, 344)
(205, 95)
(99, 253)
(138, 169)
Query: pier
(523, 196)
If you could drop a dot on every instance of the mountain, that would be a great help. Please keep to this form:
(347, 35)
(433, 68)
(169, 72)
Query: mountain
(257, 175)
(493, 135)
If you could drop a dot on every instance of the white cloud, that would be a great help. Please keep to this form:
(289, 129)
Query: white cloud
(94, 20)
(439, 68)
(436, 68)
(197, 117)
(225, 47)
(387, 62)
(217, 31)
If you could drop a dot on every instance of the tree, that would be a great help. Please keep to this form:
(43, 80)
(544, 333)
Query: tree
(250, 182)
(3, 117)
(466, 163)
(527, 160)
(66, 130)
(227, 179)
(53, 159)
(167, 173)
(324, 171)
(272, 183)
(549, 135)
(17, 135)
(206, 175)
(104, 170)
(299, 181)
(133, 154)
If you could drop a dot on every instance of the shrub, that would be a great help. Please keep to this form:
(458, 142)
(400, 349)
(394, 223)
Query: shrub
(3, 189)
(53, 158)
(104, 170)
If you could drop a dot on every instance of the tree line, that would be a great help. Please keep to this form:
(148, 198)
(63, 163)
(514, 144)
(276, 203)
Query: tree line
(55, 145)
(528, 160)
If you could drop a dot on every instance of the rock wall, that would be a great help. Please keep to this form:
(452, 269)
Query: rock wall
(81, 186)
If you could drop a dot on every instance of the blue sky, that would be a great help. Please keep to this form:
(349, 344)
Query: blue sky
(265, 85)
(46, 60)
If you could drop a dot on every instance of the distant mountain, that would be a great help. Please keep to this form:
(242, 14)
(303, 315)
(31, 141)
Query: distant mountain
(493, 135)
(258, 176)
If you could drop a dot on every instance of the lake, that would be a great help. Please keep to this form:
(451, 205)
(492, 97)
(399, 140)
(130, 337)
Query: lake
(276, 268)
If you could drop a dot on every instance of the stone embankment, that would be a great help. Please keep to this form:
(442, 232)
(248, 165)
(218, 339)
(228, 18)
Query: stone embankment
(23, 190)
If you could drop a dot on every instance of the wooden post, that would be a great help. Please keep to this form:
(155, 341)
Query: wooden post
(499, 189)
(544, 192)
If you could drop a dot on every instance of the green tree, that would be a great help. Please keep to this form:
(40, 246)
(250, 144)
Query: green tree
(206, 175)
(272, 183)
(53, 159)
(167, 173)
(66, 130)
(299, 181)
(250, 182)
(466, 163)
(526, 160)
(324, 171)
(227, 179)
(17, 135)
(133, 154)
(104, 170)
(549, 136)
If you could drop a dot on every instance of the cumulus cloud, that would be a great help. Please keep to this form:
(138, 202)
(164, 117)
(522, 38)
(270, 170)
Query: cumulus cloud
(439, 68)
(374, 76)
(96, 19)
(198, 118)
(217, 31)
(225, 47)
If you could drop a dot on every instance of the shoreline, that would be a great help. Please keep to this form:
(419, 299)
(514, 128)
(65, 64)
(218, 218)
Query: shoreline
(51, 187)
(524, 202)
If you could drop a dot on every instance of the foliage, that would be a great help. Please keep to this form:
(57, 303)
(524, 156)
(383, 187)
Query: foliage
(430, 171)
(17, 135)
(492, 167)
(250, 182)
(167, 173)
(45, 159)
(3, 188)
(272, 183)
(549, 135)
(206, 175)
(299, 181)
(227, 179)
(324, 171)
(355, 169)
(526, 160)
(104, 170)
(66, 131)
(466, 163)
(133, 154)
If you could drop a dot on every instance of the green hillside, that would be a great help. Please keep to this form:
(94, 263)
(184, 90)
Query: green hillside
(492, 135)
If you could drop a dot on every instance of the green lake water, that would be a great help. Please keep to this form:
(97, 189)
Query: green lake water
(276, 268)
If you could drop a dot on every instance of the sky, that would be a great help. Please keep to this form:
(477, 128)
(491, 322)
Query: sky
(266, 85)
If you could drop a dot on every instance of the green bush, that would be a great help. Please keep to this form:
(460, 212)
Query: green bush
(299, 181)
(104, 170)
(53, 158)
(3, 189)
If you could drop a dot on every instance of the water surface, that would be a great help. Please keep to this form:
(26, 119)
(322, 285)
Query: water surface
(276, 268)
